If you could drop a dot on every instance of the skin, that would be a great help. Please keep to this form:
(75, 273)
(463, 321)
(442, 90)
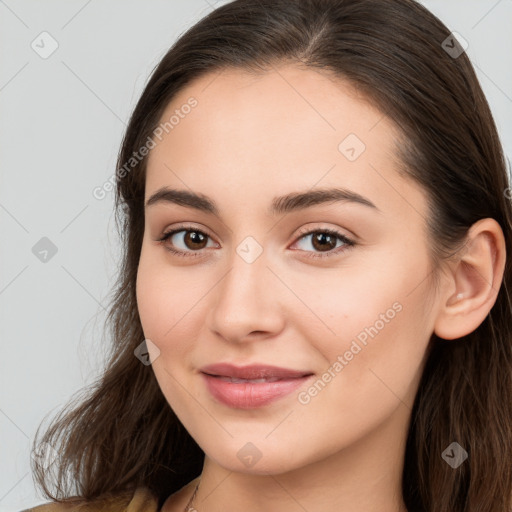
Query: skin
(249, 139)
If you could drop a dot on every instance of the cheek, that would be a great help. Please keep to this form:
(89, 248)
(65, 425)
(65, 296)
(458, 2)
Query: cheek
(349, 300)
(372, 368)
(167, 316)
(376, 321)
(166, 303)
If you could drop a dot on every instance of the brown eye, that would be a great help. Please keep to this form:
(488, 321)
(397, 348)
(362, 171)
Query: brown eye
(323, 241)
(185, 242)
(195, 240)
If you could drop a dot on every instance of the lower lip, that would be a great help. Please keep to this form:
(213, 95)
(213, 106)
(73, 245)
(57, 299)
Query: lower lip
(249, 395)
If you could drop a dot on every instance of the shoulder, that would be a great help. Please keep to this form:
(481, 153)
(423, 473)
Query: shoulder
(141, 500)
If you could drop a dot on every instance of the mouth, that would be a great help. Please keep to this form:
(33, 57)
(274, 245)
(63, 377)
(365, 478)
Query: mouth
(240, 381)
(252, 372)
(251, 386)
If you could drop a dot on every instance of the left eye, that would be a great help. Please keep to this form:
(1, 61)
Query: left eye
(325, 241)
(193, 240)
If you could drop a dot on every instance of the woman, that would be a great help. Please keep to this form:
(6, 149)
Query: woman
(313, 310)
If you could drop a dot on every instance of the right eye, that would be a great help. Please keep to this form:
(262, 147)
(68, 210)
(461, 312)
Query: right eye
(190, 238)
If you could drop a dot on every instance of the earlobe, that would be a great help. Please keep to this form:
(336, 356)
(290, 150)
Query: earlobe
(476, 277)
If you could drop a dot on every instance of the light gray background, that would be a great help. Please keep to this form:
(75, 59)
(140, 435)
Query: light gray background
(61, 123)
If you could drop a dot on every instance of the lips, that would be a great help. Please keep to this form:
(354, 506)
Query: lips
(251, 386)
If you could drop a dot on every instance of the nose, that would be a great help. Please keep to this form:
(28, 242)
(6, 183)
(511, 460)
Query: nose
(245, 303)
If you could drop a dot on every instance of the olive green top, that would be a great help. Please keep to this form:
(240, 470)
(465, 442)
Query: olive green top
(142, 500)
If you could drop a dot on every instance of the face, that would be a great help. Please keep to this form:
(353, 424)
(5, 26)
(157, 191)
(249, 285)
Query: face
(337, 291)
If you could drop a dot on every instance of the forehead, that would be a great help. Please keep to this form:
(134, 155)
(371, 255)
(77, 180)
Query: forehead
(282, 108)
(270, 133)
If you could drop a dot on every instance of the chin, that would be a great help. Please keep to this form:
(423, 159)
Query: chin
(259, 457)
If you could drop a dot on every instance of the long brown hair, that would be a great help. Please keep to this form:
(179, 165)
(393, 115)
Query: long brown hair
(122, 433)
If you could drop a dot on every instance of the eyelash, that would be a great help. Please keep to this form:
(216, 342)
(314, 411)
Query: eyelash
(192, 254)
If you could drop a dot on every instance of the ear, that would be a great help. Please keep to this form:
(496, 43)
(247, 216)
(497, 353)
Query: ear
(474, 280)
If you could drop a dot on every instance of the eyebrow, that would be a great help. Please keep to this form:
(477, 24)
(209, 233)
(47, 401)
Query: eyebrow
(280, 205)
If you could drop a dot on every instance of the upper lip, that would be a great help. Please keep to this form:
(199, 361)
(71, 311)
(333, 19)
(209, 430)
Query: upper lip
(253, 371)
